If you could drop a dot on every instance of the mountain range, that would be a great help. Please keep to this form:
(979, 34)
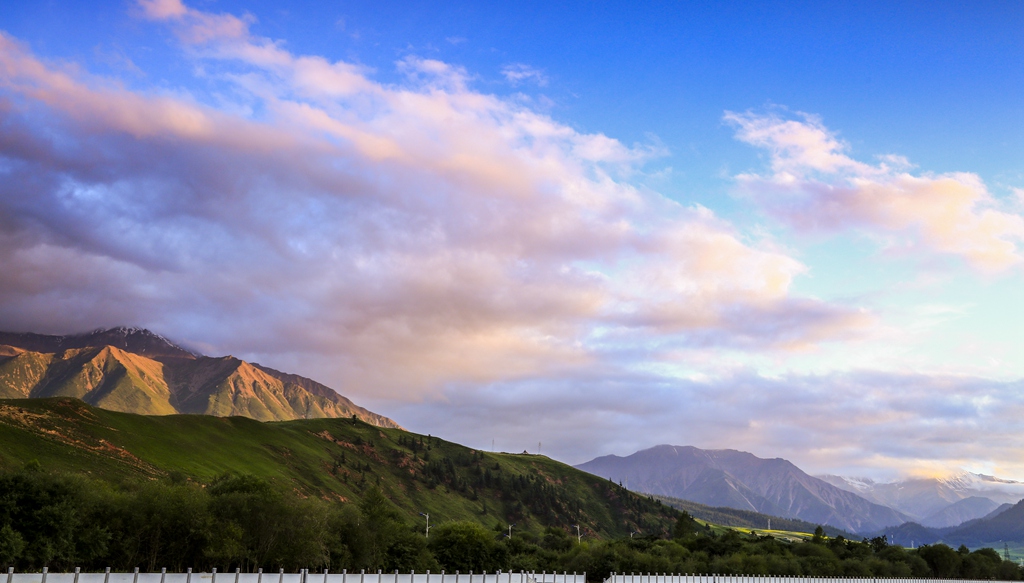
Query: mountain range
(927, 508)
(134, 370)
(937, 502)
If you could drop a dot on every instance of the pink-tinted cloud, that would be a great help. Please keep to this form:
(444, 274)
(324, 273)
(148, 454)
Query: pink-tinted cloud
(195, 26)
(385, 239)
(814, 185)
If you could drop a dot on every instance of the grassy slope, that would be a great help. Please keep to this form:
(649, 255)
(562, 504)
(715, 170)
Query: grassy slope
(747, 520)
(334, 458)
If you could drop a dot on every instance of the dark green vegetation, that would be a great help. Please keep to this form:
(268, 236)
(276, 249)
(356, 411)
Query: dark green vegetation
(85, 487)
(61, 521)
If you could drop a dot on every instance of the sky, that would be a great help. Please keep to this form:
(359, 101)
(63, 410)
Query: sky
(790, 228)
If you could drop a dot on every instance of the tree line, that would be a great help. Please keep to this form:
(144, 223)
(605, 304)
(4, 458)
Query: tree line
(242, 521)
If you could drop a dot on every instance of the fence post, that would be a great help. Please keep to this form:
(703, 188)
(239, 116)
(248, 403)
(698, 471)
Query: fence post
(45, 569)
(280, 576)
(213, 574)
(10, 574)
(163, 575)
(134, 580)
(344, 575)
(188, 575)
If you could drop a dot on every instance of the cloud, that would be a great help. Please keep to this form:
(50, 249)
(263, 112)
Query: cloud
(881, 425)
(814, 185)
(389, 240)
(519, 73)
(195, 26)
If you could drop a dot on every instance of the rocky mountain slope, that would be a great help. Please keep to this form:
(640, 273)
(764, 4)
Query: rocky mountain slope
(135, 371)
(736, 479)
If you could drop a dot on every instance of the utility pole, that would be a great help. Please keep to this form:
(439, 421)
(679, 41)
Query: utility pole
(579, 537)
(510, 531)
(426, 533)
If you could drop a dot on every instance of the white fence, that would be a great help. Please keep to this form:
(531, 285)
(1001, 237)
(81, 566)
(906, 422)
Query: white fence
(301, 577)
(669, 578)
(362, 577)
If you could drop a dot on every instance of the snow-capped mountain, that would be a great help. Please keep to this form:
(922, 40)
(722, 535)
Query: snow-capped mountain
(937, 501)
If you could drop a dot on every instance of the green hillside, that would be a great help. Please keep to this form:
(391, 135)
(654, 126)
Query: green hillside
(334, 459)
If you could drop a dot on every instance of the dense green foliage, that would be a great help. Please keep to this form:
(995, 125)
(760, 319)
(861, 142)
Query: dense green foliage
(63, 521)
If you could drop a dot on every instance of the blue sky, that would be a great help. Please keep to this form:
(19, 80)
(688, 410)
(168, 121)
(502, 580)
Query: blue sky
(791, 228)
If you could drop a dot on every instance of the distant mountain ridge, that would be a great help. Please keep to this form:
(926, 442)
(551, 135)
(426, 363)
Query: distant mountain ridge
(937, 502)
(1003, 525)
(133, 370)
(736, 479)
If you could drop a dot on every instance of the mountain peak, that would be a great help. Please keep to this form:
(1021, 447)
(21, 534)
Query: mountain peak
(738, 479)
(155, 376)
(128, 338)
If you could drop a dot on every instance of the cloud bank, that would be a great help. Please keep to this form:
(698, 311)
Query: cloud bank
(388, 239)
(457, 255)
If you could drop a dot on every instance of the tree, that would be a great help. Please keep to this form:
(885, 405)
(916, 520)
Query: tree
(819, 536)
(943, 561)
(685, 527)
(465, 546)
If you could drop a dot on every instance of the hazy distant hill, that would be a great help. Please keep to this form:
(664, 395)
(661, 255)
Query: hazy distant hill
(741, 480)
(135, 371)
(960, 512)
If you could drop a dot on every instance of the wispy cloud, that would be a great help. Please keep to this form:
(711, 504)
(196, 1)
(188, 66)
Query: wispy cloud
(814, 185)
(518, 73)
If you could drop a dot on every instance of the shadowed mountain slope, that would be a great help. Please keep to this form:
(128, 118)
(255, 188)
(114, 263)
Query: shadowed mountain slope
(960, 512)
